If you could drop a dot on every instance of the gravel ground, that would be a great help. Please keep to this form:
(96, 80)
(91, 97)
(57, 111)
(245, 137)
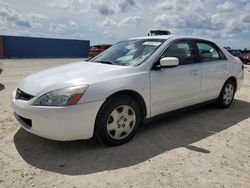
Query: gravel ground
(205, 147)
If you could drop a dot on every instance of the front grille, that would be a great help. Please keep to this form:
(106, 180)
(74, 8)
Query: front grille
(20, 95)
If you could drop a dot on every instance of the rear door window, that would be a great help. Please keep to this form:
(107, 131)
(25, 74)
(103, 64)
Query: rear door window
(209, 52)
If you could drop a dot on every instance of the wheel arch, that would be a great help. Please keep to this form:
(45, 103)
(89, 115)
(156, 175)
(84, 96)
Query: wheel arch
(100, 133)
(234, 79)
(135, 95)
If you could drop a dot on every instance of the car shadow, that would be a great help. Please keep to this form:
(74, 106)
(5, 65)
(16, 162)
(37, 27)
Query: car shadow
(2, 87)
(152, 139)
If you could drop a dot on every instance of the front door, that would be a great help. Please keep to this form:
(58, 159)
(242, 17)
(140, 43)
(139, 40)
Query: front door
(176, 87)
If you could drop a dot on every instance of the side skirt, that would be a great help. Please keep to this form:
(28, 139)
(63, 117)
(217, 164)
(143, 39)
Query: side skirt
(179, 111)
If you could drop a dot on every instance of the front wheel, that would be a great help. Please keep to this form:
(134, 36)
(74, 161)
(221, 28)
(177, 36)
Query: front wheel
(117, 120)
(227, 94)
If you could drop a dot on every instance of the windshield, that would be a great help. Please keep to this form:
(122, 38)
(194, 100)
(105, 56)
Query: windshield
(129, 52)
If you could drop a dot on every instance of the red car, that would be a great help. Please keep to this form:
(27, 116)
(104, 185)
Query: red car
(97, 49)
(246, 57)
(243, 55)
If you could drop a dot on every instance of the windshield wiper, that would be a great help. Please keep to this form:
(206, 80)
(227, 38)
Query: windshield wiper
(106, 62)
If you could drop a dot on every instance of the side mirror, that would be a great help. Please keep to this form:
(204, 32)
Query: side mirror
(168, 62)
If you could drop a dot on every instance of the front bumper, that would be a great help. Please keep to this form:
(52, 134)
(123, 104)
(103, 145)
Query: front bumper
(57, 123)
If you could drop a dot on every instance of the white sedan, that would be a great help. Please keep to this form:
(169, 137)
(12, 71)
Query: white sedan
(109, 96)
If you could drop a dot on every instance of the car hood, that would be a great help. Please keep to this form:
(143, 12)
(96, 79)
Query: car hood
(69, 75)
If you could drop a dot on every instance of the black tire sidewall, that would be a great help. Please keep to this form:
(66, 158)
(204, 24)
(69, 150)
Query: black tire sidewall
(101, 132)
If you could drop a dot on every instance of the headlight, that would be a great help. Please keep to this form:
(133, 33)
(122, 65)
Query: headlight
(62, 97)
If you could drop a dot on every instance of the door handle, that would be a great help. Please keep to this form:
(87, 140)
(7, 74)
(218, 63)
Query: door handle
(225, 67)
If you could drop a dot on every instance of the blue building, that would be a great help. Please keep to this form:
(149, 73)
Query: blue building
(32, 47)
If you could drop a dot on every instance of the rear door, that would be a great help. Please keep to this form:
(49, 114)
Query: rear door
(214, 69)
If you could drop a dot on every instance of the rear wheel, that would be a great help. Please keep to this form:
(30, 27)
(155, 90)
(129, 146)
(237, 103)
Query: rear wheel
(227, 94)
(117, 120)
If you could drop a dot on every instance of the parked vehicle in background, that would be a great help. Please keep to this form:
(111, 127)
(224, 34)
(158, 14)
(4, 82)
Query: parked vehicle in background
(97, 49)
(227, 47)
(158, 32)
(244, 56)
(136, 79)
(237, 53)
(1, 67)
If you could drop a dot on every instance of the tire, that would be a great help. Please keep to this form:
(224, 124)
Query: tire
(226, 96)
(117, 120)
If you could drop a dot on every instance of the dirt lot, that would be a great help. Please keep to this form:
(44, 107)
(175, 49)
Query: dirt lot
(206, 147)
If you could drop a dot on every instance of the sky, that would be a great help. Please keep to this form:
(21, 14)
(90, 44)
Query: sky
(109, 21)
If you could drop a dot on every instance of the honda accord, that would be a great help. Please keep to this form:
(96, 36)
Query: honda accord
(109, 96)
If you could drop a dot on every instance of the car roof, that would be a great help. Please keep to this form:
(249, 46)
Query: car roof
(171, 36)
